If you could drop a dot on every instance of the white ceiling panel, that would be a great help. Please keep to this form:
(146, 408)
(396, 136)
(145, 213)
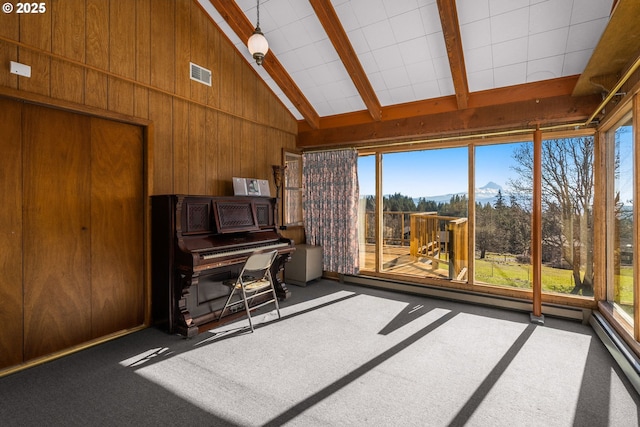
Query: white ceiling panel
(401, 48)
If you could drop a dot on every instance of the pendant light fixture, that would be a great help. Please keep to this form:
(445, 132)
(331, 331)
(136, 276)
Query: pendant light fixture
(257, 44)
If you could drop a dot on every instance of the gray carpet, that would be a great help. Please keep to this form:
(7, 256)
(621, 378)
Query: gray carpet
(341, 356)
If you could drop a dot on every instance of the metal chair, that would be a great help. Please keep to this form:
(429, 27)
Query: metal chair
(254, 280)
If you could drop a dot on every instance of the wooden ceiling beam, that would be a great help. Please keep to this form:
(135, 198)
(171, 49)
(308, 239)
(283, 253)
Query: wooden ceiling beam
(334, 29)
(515, 115)
(505, 95)
(453, 42)
(243, 28)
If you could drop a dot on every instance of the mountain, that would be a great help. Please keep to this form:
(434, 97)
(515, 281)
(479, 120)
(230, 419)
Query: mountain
(484, 194)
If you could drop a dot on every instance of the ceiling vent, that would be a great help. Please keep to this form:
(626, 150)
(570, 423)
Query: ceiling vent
(200, 74)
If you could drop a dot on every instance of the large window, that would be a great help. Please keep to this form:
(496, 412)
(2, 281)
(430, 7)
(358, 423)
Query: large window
(620, 168)
(567, 215)
(424, 227)
(503, 176)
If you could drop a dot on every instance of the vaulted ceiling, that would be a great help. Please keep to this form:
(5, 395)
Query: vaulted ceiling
(358, 64)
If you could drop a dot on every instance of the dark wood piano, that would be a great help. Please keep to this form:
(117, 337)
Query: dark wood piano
(200, 241)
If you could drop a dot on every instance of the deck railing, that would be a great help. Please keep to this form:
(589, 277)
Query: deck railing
(440, 239)
(430, 237)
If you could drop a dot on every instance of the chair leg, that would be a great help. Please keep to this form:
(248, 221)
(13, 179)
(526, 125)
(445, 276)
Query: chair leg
(246, 307)
(226, 304)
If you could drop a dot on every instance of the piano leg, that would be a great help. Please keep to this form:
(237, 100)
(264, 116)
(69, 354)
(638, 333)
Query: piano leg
(282, 292)
(183, 322)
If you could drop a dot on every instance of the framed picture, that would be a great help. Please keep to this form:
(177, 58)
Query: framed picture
(253, 187)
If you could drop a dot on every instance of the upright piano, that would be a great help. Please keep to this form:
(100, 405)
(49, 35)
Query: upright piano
(198, 242)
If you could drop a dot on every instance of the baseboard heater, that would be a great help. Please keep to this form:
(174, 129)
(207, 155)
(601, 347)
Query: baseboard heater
(626, 359)
(573, 313)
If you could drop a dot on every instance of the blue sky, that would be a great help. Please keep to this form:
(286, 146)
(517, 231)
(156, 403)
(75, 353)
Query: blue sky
(438, 171)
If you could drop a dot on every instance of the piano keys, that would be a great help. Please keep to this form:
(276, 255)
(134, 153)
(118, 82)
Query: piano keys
(198, 242)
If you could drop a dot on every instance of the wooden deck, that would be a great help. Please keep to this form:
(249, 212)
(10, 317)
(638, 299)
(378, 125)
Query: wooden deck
(397, 260)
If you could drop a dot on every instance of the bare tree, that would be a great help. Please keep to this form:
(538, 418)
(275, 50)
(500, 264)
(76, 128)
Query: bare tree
(567, 193)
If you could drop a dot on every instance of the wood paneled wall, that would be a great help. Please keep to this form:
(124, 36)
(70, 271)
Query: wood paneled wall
(132, 58)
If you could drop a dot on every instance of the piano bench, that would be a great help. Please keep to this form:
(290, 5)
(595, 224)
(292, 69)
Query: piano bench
(305, 265)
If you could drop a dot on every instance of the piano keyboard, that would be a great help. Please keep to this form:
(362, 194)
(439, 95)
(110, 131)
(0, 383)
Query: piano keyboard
(231, 252)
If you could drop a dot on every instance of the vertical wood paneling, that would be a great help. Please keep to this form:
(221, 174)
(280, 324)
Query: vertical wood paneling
(248, 90)
(161, 113)
(200, 53)
(143, 57)
(180, 146)
(97, 33)
(9, 28)
(117, 282)
(247, 150)
(68, 39)
(97, 52)
(212, 154)
(11, 285)
(226, 79)
(122, 56)
(197, 150)
(163, 44)
(183, 47)
(56, 230)
(213, 49)
(225, 143)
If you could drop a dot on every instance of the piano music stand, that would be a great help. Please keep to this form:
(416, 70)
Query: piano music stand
(254, 280)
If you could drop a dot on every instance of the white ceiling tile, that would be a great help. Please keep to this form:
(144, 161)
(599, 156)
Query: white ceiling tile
(397, 7)
(476, 34)
(586, 35)
(308, 57)
(431, 18)
(377, 82)
(358, 41)
(355, 103)
(545, 68)
(426, 90)
(325, 73)
(278, 41)
(302, 37)
(416, 50)
(406, 26)
(446, 86)
(510, 75)
(472, 10)
(301, 8)
(589, 10)
(436, 45)
(368, 62)
(575, 62)
(326, 51)
(395, 78)
(497, 7)
(478, 59)
(339, 89)
(550, 15)
(421, 72)
(510, 25)
(388, 57)
(549, 43)
(280, 14)
(481, 80)
(510, 52)
(384, 97)
(314, 28)
(379, 35)
(369, 11)
(291, 62)
(403, 94)
(347, 15)
(441, 65)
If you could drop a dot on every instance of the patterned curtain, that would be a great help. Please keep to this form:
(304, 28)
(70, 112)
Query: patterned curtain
(331, 207)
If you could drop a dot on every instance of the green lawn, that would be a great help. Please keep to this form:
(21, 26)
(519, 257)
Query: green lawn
(505, 271)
